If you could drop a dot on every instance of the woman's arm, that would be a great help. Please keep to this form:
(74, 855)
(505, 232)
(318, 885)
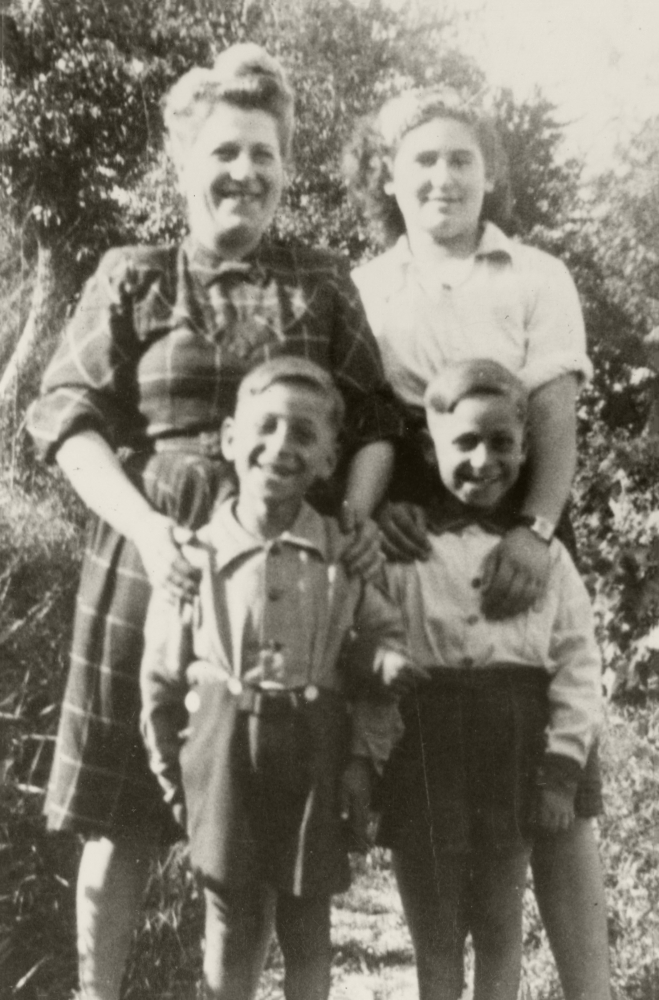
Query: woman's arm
(516, 572)
(369, 475)
(552, 438)
(98, 478)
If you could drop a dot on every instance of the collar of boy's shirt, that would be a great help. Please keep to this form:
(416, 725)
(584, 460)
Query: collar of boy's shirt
(230, 541)
(208, 267)
(448, 514)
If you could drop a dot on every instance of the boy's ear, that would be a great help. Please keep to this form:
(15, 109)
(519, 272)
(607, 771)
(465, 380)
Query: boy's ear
(227, 438)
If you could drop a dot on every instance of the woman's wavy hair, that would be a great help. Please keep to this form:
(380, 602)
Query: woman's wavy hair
(378, 136)
(245, 76)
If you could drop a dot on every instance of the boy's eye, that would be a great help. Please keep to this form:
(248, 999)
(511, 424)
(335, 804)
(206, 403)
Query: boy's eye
(226, 152)
(502, 443)
(303, 434)
(467, 442)
(427, 159)
(262, 154)
(267, 426)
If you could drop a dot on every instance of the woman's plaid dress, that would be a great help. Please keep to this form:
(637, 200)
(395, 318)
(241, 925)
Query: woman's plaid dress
(151, 360)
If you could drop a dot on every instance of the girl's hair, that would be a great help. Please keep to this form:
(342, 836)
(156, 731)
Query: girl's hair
(245, 76)
(377, 139)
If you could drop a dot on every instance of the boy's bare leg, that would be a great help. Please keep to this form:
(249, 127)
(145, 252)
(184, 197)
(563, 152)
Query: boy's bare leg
(434, 892)
(498, 882)
(303, 930)
(111, 882)
(238, 932)
(569, 888)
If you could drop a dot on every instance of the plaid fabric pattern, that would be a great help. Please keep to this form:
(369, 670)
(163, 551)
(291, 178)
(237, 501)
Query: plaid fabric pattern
(162, 336)
(100, 780)
(157, 346)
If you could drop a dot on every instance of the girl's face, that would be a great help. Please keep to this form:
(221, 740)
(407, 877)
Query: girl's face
(439, 181)
(232, 177)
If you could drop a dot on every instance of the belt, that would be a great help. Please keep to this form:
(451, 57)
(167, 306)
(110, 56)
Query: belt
(207, 443)
(258, 701)
(265, 701)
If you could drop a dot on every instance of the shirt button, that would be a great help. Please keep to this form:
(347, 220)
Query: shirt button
(472, 620)
(275, 593)
(468, 661)
(275, 549)
(476, 582)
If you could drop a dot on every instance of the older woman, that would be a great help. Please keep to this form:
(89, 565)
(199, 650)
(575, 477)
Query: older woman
(430, 170)
(131, 409)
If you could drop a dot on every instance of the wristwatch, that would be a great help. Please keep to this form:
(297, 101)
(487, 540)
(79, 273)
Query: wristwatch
(538, 526)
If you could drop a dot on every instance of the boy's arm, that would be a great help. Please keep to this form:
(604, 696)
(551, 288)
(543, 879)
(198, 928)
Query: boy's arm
(167, 653)
(376, 654)
(378, 666)
(575, 692)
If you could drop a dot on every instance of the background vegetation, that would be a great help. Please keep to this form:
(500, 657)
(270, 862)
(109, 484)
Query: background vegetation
(82, 168)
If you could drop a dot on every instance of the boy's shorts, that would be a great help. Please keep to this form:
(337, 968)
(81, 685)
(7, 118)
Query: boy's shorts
(463, 777)
(261, 783)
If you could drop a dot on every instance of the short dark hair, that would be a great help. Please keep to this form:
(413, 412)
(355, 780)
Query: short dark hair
(377, 138)
(478, 377)
(289, 370)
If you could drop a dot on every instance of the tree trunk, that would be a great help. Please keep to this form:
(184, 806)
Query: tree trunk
(46, 314)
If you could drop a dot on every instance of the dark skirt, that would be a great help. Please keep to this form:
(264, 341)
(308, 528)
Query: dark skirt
(463, 777)
(262, 791)
(100, 782)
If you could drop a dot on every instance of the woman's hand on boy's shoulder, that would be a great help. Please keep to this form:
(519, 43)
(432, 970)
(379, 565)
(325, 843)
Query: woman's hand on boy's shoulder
(404, 530)
(363, 554)
(515, 574)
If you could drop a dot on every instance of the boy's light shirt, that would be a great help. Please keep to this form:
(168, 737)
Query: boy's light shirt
(441, 601)
(290, 594)
(516, 305)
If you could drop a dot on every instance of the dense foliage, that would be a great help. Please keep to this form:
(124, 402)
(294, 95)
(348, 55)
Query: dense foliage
(82, 167)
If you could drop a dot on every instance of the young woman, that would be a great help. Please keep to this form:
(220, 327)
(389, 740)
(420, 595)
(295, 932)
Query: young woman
(430, 170)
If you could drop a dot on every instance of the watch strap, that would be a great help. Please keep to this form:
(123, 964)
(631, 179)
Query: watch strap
(541, 527)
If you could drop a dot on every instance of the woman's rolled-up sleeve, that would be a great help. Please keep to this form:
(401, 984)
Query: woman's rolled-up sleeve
(82, 387)
(556, 336)
(373, 411)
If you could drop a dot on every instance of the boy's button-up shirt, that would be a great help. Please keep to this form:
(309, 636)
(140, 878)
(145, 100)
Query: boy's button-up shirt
(280, 610)
(441, 599)
(513, 303)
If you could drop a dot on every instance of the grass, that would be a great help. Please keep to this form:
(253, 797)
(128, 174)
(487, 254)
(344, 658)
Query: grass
(40, 545)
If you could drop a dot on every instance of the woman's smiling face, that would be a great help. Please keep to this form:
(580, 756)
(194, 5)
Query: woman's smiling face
(232, 176)
(439, 180)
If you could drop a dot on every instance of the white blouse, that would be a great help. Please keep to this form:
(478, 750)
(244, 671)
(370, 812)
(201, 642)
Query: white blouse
(510, 302)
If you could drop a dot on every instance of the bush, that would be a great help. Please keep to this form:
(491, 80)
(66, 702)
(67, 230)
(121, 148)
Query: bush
(617, 500)
(40, 546)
